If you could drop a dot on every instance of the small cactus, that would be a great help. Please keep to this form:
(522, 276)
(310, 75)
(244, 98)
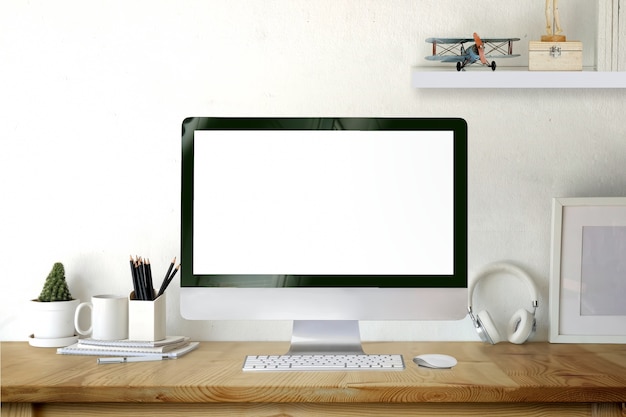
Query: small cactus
(55, 287)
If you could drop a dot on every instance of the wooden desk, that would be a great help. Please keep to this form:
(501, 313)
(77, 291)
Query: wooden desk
(509, 380)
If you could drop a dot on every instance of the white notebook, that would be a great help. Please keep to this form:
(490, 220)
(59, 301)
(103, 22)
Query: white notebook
(134, 343)
(76, 349)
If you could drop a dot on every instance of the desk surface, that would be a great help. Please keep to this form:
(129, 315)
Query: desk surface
(503, 373)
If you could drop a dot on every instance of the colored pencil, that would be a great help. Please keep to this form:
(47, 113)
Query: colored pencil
(167, 274)
(134, 277)
(149, 285)
(169, 279)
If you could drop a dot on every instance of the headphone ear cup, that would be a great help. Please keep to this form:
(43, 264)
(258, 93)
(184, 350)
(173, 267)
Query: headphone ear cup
(493, 336)
(520, 326)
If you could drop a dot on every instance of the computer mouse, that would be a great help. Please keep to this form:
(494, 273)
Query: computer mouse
(435, 361)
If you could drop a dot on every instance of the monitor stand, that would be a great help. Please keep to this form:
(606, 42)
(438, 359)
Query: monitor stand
(326, 337)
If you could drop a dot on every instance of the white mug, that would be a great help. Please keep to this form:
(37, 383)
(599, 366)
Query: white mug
(109, 317)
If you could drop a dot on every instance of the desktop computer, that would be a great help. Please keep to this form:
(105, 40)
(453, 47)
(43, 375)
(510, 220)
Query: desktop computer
(324, 221)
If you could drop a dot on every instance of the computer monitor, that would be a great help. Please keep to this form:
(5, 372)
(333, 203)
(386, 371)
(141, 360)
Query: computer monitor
(324, 221)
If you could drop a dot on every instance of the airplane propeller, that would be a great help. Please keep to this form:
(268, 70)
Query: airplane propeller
(481, 52)
(478, 41)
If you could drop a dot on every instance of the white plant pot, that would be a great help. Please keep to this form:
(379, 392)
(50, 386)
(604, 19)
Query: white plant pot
(54, 319)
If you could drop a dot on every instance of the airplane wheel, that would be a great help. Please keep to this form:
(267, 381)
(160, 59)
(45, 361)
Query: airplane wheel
(493, 65)
(458, 66)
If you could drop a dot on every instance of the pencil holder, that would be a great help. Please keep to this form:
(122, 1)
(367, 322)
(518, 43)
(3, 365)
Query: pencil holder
(146, 319)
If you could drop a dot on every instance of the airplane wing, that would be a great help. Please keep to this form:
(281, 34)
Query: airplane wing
(449, 40)
(502, 56)
(448, 53)
(463, 40)
(495, 40)
(446, 58)
(499, 47)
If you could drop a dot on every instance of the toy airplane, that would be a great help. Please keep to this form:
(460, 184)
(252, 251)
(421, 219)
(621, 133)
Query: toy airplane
(495, 48)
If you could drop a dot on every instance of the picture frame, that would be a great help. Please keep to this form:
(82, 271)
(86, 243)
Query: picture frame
(588, 270)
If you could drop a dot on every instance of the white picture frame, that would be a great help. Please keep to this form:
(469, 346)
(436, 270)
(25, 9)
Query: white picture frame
(588, 270)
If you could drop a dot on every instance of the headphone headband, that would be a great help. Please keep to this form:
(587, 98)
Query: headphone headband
(507, 268)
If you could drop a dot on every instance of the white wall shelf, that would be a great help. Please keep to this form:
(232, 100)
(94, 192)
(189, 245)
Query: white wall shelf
(514, 77)
(608, 70)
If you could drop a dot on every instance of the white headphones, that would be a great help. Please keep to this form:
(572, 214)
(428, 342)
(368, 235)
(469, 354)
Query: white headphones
(523, 323)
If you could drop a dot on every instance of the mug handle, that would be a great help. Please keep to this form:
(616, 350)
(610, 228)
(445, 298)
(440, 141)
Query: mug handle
(77, 314)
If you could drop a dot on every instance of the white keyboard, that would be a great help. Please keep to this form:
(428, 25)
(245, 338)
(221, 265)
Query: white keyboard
(324, 363)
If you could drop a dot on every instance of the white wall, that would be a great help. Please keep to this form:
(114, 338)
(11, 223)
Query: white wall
(93, 93)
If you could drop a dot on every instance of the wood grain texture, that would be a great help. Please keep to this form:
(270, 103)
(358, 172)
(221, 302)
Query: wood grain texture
(316, 410)
(17, 410)
(503, 373)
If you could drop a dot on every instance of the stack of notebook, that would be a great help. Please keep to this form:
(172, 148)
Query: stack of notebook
(170, 348)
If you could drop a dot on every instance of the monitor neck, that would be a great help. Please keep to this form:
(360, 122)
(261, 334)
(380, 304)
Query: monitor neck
(326, 336)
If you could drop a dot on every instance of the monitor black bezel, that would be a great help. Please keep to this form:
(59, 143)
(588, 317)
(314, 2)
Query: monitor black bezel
(458, 279)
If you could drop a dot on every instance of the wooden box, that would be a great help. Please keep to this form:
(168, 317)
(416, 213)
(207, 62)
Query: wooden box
(555, 56)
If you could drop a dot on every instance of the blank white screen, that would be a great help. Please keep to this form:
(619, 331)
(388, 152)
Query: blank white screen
(323, 202)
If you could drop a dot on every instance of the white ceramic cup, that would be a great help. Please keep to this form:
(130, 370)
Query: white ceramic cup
(109, 317)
